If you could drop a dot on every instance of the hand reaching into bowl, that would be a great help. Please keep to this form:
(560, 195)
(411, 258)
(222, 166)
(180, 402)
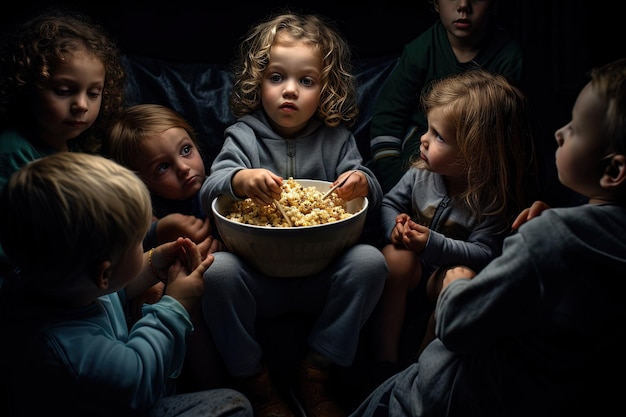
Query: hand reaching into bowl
(355, 186)
(259, 184)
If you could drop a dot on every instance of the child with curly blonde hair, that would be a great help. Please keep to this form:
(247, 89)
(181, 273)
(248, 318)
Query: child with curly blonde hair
(295, 97)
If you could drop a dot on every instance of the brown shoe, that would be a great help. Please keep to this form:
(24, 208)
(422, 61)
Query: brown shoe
(310, 392)
(264, 397)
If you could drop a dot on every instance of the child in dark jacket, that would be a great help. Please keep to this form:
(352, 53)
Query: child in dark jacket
(535, 331)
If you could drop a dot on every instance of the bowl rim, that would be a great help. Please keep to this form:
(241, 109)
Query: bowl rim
(216, 213)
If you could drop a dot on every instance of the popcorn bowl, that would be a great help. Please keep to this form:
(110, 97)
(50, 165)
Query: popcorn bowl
(290, 252)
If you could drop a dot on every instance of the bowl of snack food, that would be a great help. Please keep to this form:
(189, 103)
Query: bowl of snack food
(320, 229)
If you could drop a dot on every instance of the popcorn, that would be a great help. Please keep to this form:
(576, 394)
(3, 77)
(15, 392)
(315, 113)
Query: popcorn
(303, 205)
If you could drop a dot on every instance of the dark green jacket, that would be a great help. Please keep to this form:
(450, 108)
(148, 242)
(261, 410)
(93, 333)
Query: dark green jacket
(397, 121)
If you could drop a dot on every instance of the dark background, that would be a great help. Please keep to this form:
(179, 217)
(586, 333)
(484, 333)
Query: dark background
(195, 31)
(561, 40)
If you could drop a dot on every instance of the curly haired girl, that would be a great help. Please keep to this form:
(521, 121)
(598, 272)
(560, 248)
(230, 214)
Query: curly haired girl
(61, 82)
(294, 95)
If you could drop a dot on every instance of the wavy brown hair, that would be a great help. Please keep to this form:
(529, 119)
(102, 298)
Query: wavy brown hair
(338, 102)
(124, 139)
(30, 52)
(491, 118)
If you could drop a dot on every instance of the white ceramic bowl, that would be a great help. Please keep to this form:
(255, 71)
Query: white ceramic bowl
(290, 251)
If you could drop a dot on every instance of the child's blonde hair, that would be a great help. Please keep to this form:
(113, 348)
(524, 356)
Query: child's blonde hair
(338, 102)
(29, 54)
(136, 123)
(64, 214)
(609, 84)
(494, 136)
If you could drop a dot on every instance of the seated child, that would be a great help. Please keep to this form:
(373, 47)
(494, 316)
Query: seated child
(537, 331)
(161, 147)
(295, 98)
(456, 203)
(61, 83)
(73, 224)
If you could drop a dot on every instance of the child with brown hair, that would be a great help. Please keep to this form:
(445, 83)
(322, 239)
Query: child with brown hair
(466, 35)
(457, 202)
(536, 330)
(161, 147)
(61, 83)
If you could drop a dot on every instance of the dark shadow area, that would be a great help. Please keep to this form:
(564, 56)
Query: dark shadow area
(177, 54)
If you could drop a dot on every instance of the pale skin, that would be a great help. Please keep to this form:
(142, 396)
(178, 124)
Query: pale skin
(290, 93)
(180, 262)
(582, 165)
(466, 23)
(439, 150)
(581, 162)
(172, 168)
(580, 148)
(70, 101)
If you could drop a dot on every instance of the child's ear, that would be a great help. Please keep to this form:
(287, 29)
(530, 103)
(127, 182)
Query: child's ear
(103, 274)
(615, 172)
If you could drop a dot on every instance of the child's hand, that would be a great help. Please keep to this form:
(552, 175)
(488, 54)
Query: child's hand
(528, 213)
(355, 186)
(209, 245)
(185, 280)
(397, 233)
(415, 236)
(261, 185)
(175, 225)
(215, 245)
(457, 272)
(157, 262)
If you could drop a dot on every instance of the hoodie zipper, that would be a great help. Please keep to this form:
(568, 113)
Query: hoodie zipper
(291, 157)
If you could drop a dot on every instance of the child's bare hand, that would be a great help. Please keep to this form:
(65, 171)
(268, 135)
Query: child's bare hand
(165, 254)
(397, 233)
(185, 280)
(415, 236)
(175, 225)
(528, 213)
(209, 245)
(216, 245)
(457, 272)
(261, 185)
(355, 186)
